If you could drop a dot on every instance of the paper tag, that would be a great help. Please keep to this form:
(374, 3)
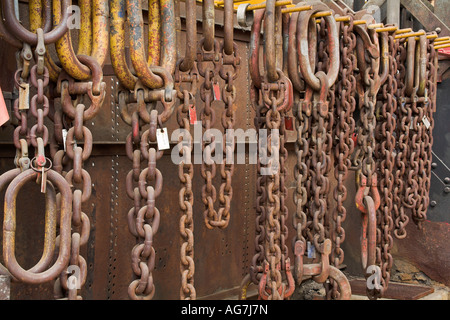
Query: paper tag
(288, 123)
(192, 114)
(426, 122)
(163, 139)
(64, 136)
(4, 116)
(216, 91)
(24, 96)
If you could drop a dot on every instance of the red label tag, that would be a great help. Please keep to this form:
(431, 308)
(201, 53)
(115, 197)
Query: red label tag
(288, 123)
(216, 90)
(354, 138)
(192, 114)
(4, 116)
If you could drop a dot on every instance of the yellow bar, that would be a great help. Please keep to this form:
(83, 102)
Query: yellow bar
(407, 35)
(442, 47)
(406, 30)
(375, 26)
(296, 9)
(430, 36)
(342, 19)
(322, 14)
(442, 39)
(263, 5)
(358, 22)
(386, 29)
(221, 2)
(338, 19)
(441, 42)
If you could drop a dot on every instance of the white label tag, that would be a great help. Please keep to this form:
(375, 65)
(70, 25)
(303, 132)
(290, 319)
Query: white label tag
(411, 126)
(426, 122)
(163, 139)
(64, 136)
(24, 96)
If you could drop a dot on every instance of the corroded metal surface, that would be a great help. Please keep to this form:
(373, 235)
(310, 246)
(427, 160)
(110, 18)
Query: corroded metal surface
(396, 291)
(222, 255)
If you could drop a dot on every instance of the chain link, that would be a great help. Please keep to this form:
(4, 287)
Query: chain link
(385, 155)
(402, 130)
(186, 195)
(343, 145)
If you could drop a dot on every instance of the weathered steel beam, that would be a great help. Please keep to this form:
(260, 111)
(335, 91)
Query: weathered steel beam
(376, 8)
(339, 4)
(377, 3)
(393, 12)
(425, 16)
(442, 10)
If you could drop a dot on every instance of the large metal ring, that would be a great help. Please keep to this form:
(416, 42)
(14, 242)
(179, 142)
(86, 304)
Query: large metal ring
(9, 229)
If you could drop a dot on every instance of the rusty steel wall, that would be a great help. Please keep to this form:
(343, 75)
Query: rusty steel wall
(222, 256)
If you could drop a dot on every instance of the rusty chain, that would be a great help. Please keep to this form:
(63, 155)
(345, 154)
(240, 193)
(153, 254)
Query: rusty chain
(207, 64)
(76, 144)
(385, 155)
(36, 79)
(80, 77)
(421, 127)
(343, 145)
(275, 92)
(315, 121)
(186, 73)
(186, 201)
(402, 130)
(301, 169)
(212, 59)
(228, 71)
(409, 102)
(153, 83)
(256, 268)
(393, 82)
(415, 127)
(367, 198)
(131, 102)
(413, 174)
